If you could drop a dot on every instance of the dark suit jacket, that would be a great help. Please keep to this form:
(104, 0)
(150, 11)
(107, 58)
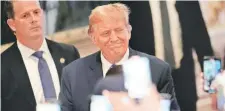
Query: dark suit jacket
(17, 94)
(80, 77)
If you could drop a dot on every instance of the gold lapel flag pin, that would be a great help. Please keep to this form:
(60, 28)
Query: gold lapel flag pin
(62, 60)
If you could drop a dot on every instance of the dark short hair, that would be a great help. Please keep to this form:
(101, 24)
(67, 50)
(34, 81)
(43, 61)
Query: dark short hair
(9, 9)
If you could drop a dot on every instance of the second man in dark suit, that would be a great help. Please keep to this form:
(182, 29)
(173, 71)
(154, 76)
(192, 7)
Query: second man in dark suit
(31, 67)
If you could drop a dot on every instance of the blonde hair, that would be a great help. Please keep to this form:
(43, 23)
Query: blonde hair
(103, 11)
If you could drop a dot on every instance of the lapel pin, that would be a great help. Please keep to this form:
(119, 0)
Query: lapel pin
(62, 60)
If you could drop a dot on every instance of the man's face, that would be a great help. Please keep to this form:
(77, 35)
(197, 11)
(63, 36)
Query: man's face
(28, 20)
(112, 36)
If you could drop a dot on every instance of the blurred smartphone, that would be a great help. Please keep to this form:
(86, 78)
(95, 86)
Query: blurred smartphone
(211, 67)
(137, 77)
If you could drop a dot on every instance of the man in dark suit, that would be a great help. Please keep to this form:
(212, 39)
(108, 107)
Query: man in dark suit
(31, 67)
(194, 36)
(110, 30)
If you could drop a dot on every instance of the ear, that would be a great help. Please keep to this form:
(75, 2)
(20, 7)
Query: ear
(129, 28)
(11, 24)
(93, 39)
(90, 34)
(129, 31)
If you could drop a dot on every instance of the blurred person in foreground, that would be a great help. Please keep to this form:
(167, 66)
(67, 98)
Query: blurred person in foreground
(122, 97)
(109, 29)
(31, 67)
(121, 102)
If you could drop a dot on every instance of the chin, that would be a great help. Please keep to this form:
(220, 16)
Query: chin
(36, 36)
(119, 51)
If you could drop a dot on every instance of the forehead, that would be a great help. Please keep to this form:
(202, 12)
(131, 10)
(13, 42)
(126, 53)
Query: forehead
(111, 22)
(20, 7)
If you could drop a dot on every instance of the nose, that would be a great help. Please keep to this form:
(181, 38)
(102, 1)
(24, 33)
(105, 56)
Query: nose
(33, 18)
(113, 37)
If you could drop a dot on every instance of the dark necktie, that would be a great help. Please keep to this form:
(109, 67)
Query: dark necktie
(115, 69)
(45, 76)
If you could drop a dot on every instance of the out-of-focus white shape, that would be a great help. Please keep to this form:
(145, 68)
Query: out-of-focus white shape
(165, 105)
(48, 107)
(100, 103)
(137, 77)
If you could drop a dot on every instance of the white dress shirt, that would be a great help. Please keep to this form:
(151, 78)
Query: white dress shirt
(31, 64)
(106, 64)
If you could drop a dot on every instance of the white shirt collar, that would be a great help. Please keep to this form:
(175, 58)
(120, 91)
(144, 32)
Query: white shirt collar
(27, 52)
(106, 64)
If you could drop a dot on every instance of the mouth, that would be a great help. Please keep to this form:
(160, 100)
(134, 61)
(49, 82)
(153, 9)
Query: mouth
(116, 46)
(35, 28)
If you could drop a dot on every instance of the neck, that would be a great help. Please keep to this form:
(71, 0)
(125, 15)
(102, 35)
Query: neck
(113, 58)
(32, 44)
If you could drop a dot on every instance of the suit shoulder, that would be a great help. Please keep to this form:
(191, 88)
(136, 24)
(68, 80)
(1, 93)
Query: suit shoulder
(62, 46)
(6, 59)
(82, 62)
(7, 53)
(154, 60)
(69, 51)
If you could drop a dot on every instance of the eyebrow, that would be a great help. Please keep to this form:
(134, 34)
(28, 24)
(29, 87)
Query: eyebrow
(36, 9)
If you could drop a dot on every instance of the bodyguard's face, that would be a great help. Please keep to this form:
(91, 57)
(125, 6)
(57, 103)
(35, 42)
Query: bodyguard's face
(112, 36)
(28, 20)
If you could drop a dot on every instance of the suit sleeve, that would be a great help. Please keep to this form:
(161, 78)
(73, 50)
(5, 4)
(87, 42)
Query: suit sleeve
(167, 86)
(65, 96)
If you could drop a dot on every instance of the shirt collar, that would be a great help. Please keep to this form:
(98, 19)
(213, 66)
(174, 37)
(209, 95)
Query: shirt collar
(106, 63)
(27, 52)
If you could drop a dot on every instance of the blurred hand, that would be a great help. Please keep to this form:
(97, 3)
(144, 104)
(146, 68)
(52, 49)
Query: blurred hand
(151, 102)
(219, 81)
(121, 101)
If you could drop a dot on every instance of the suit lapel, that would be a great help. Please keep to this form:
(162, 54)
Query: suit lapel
(132, 52)
(55, 53)
(95, 71)
(19, 71)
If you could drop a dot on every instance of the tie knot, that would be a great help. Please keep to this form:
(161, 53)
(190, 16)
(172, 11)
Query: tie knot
(115, 69)
(38, 54)
(114, 65)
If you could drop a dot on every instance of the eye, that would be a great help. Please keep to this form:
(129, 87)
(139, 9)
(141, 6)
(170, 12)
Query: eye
(25, 15)
(105, 33)
(36, 12)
